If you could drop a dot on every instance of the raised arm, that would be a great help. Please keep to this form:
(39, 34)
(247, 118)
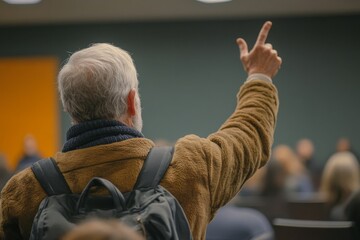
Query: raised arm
(243, 142)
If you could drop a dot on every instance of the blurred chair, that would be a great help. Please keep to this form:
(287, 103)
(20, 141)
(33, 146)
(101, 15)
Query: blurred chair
(271, 207)
(286, 229)
(311, 207)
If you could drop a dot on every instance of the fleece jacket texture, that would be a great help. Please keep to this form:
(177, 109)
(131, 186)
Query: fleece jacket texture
(205, 173)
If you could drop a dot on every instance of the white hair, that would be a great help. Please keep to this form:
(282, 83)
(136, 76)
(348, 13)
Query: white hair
(95, 83)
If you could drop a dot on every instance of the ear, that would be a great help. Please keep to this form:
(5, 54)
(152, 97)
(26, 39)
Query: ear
(131, 109)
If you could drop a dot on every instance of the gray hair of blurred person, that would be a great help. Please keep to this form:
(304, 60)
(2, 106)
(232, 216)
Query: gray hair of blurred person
(95, 84)
(341, 177)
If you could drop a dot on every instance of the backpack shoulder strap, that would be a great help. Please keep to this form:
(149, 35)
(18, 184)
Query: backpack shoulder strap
(50, 177)
(154, 168)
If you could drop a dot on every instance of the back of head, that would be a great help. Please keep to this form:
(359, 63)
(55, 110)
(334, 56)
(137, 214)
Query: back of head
(95, 83)
(274, 180)
(287, 158)
(30, 145)
(341, 177)
(343, 145)
(305, 149)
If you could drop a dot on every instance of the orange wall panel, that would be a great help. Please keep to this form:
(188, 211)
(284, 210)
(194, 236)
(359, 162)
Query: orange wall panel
(28, 105)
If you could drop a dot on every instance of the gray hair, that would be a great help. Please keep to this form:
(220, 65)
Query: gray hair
(96, 81)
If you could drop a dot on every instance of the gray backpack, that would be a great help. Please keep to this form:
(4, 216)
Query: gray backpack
(149, 208)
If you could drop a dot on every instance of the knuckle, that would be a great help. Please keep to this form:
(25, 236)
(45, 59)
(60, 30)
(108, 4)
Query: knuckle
(268, 50)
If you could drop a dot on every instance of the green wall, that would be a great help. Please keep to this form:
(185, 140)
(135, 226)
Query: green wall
(190, 71)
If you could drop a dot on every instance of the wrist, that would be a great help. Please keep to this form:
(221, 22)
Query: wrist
(258, 76)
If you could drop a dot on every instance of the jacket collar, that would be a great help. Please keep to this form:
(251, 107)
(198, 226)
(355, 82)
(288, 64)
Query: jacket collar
(134, 148)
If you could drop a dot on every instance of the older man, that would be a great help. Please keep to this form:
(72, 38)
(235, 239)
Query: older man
(99, 89)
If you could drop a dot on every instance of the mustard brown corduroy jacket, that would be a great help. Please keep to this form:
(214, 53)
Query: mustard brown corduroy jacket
(204, 175)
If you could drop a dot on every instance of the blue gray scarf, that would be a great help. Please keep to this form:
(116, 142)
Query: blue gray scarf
(97, 132)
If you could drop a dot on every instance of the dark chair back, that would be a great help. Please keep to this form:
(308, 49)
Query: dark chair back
(311, 207)
(271, 207)
(310, 229)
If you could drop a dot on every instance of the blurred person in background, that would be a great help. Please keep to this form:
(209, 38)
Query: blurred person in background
(344, 145)
(305, 151)
(99, 229)
(5, 173)
(274, 180)
(239, 223)
(273, 192)
(254, 185)
(30, 155)
(163, 142)
(340, 180)
(297, 179)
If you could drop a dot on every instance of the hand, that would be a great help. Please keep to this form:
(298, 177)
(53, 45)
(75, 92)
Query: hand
(262, 58)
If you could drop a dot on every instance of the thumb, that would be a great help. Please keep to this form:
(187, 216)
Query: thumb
(243, 47)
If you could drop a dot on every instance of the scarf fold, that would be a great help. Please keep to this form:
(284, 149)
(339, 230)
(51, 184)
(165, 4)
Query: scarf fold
(97, 132)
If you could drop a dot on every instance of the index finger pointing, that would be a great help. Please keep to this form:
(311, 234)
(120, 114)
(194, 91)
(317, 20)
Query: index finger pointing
(263, 33)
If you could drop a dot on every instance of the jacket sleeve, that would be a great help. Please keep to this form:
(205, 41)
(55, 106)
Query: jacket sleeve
(9, 224)
(18, 208)
(243, 143)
